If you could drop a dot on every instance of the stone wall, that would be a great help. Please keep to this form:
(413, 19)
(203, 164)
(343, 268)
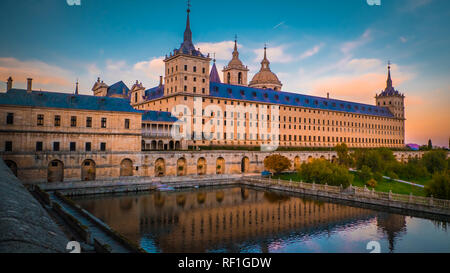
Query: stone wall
(25, 226)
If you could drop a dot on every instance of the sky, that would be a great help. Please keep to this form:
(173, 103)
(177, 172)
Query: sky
(315, 47)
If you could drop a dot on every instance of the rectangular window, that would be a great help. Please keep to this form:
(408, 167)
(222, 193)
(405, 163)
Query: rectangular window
(40, 120)
(10, 118)
(73, 121)
(39, 146)
(88, 146)
(8, 146)
(88, 122)
(103, 146)
(73, 146)
(127, 124)
(56, 146)
(103, 122)
(57, 121)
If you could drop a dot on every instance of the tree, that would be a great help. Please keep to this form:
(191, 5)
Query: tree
(435, 161)
(277, 163)
(343, 155)
(365, 174)
(321, 172)
(372, 183)
(439, 186)
(430, 145)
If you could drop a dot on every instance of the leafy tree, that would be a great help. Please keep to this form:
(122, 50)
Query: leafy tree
(277, 163)
(378, 176)
(435, 161)
(321, 172)
(365, 174)
(439, 186)
(430, 145)
(370, 158)
(343, 156)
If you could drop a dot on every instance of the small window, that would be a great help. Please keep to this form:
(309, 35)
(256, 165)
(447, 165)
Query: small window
(127, 124)
(8, 146)
(39, 146)
(73, 146)
(195, 69)
(89, 122)
(10, 118)
(73, 121)
(103, 146)
(56, 146)
(88, 147)
(185, 67)
(57, 121)
(40, 120)
(103, 122)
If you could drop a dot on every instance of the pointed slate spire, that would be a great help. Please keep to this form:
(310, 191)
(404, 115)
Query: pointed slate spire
(187, 47)
(214, 75)
(389, 80)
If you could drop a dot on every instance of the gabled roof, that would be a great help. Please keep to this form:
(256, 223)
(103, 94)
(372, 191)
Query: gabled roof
(118, 89)
(20, 97)
(158, 116)
(293, 99)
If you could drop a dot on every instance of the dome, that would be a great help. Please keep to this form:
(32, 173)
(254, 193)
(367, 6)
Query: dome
(265, 78)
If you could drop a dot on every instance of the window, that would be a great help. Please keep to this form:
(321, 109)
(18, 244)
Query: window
(40, 120)
(73, 146)
(195, 69)
(89, 122)
(88, 147)
(8, 146)
(103, 146)
(10, 118)
(56, 146)
(103, 122)
(39, 146)
(185, 68)
(57, 121)
(73, 121)
(127, 124)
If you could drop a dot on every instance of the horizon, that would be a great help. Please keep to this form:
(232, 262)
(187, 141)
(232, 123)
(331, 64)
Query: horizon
(310, 56)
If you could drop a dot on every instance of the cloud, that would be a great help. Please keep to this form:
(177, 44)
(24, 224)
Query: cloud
(279, 25)
(152, 68)
(413, 5)
(403, 39)
(274, 54)
(348, 47)
(45, 76)
(311, 52)
(223, 50)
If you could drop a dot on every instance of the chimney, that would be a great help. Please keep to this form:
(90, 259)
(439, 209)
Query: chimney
(29, 84)
(9, 84)
(328, 96)
(160, 80)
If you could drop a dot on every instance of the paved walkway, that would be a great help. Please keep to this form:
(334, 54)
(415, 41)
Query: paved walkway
(396, 180)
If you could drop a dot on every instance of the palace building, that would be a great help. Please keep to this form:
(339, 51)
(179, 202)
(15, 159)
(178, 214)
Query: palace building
(54, 136)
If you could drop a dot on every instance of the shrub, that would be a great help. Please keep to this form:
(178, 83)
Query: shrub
(378, 176)
(343, 156)
(322, 171)
(277, 163)
(372, 183)
(392, 175)
(439, 186)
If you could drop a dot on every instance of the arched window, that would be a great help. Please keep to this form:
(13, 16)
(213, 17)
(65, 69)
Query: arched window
(240, 78)
(228, 78)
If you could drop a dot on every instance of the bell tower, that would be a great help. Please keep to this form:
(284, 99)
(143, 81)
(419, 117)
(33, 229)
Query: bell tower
(186, 68)
(235, 72)
(391, 98)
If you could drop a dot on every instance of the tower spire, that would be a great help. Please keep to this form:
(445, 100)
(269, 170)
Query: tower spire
(76, 88)
(188, 32)
(389, 80)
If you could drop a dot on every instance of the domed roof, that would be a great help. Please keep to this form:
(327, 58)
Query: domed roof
(265, 75)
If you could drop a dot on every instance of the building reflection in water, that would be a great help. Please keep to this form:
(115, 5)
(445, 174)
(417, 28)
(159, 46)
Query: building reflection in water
(225, 219)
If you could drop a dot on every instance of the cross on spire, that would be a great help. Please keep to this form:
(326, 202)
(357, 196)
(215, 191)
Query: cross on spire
(189, 6)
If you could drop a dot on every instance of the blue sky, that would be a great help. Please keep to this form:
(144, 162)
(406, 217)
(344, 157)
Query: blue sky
(315, 47)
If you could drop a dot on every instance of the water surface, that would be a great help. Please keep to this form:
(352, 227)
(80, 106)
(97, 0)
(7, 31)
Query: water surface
(243, 220)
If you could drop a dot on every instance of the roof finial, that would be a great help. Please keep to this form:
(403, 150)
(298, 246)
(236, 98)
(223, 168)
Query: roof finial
(214, 54)
(76, 88)
(389, 80)
(189, 6)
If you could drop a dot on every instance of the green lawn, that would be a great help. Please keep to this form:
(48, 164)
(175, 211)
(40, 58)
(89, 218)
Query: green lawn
(383, 186)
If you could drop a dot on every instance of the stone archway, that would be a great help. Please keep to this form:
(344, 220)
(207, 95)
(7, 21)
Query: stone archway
(245, 165)
(153, 145)
(88, 170)
(55, 171)
(171, 145)
(181, 167)
(160, 145)
(177, 145)
(297, 162)
(201, 166)
(160, 167)
(12, 166)
(220, 165)
(126, 167)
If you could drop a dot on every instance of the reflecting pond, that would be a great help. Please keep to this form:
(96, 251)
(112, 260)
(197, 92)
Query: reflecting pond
(240, 219)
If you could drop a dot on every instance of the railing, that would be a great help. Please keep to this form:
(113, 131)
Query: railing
(355, 191)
